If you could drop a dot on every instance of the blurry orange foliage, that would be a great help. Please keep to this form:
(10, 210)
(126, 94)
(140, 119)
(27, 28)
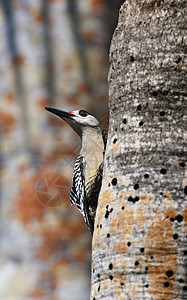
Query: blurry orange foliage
(82, 88)
(90, 35)
(7, 121)
(96, 3)
(10, 97)
(42, 102)
(19, 59)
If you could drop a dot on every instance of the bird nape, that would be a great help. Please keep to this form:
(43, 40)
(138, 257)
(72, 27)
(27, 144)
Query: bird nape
(87, 174)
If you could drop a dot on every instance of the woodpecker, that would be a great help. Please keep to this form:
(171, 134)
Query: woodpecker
(87, 174)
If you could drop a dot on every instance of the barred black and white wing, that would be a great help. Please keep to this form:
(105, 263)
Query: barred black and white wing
(78, 195)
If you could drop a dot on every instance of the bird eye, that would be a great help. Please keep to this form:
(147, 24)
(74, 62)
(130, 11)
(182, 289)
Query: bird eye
(83, 113)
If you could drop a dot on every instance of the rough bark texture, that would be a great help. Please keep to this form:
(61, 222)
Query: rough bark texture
(140, 229)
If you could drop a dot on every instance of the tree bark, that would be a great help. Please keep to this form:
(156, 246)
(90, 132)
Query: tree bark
(140, 229)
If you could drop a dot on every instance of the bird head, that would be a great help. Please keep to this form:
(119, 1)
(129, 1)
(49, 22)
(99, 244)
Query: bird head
(77, 119)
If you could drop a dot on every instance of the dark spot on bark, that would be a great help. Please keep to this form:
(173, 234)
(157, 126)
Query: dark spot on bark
(142, 250)
(123, 207)
(181, 280)
(110, 266)
(133, 200)
(112, 67)
(111, 210)
(169, 273)
(122, 128)
(162, 113)
(175, 236)
(119, 97)
(94, 298)
(99, 288)
(109, 184)
(146, 268)
(179, 218)
(130, 199)
(122, 284)
(124, 121)
(136, 186)
(116, 129)
(166, 284)
(132, 58)
(185, 252)
(107, 206)
(172, 219)
(106, 214)
(185, 190)
(184, 288)
(146, 175)
(139, 107)
(163, 171)
(108, 235)
(152, 257)
(146, 285)
(136, 199)
(155, 93)
(129, 244)
(100, 225)
(136, 263)
(114, 181)
(114, 141)
(97, 225)
(141, 123)
(178, 60)
(182, 164)
(167, 217)
(93, 270)
(111, 277)
(98, 275)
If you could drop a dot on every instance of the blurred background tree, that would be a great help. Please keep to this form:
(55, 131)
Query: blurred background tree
(53, 53)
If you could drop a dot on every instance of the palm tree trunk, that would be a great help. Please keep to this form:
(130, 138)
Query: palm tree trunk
(140, 229)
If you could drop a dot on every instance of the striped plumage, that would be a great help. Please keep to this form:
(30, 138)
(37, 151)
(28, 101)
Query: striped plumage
(87, 175)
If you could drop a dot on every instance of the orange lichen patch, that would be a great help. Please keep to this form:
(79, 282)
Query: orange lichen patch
(121, 198)
(7, 121)
(184, 213)
(146, 198)
(123, 221)
(161, 256)
(10, 97)
(115, 148)
(117, 287)
(170, 212)
(120, 247)
(131, 193)
(167, 196)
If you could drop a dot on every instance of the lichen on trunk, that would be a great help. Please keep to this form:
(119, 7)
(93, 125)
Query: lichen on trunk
(140, 229)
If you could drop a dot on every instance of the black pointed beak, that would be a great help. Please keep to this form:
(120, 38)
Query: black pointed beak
(60, 113)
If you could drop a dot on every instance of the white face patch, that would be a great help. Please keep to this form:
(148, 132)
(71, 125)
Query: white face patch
(84, 118)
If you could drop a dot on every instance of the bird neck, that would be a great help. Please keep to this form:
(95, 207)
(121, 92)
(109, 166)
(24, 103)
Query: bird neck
(92, 139)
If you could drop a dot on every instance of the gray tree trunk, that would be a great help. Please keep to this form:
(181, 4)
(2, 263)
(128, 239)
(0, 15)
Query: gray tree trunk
(140, 228)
